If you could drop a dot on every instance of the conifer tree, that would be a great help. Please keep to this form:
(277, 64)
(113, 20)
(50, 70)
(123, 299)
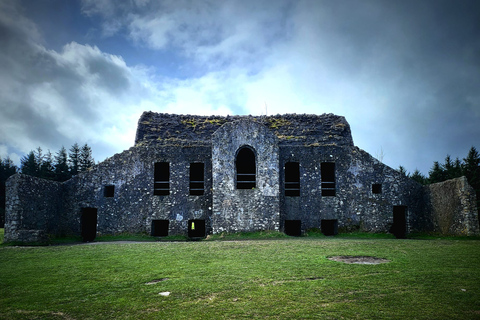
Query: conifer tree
(437, 173)
(29, 165)
(73, 159)
(61, 165)
(47, 169)
(86, 160)
(419, 177)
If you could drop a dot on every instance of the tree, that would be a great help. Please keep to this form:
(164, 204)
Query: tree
(437, 173)
(61, 165)
(403, 171)
(86, 160)
(419, 177)
(73, 159)
(47, 169)
(29, 165)
(471, 168)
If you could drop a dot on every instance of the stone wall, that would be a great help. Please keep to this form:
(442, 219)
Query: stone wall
(134, 205)
(245, 209)
(354, 205)
(453, 207)
(32, 207)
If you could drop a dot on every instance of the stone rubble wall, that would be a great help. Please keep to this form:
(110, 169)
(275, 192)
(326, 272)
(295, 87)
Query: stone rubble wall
(290, 129)
(453, 207)
(355, 206)
(32, 207)
(38, 208)
(240, 209)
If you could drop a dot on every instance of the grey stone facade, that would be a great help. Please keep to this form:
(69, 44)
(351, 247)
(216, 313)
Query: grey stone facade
(184, 175)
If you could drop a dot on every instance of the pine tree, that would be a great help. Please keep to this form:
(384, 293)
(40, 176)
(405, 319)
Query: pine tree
(47, 169)
(437, 173)
(86, 160)
(419, 177)
(73, 159)
(29, 165)
(471, 167)
(403, 171)
(61, 165)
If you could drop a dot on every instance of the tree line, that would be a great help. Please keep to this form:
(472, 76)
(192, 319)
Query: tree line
(59, 167)
(450, 169)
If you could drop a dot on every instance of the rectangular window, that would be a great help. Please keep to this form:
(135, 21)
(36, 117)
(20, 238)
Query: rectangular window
(161, 185)
(197, 180)
(292, 179)
(376, 188)
(328, 179)
(109, 191)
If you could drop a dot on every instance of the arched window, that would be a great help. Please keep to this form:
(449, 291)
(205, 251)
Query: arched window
(246, 168)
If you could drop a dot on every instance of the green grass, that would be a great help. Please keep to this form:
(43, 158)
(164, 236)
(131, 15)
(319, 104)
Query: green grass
(289, 278)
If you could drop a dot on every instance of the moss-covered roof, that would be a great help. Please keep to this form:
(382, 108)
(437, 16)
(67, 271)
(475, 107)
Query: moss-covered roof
(291, 129)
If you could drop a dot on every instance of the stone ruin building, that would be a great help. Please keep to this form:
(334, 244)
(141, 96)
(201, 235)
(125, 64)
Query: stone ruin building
(197, 175)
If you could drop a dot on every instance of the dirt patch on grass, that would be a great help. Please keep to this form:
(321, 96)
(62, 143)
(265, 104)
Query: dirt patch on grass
(358, 259)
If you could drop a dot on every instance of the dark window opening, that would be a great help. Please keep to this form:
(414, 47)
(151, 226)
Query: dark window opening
(109, 191)
(161, 185)
(329, 227)
(328, 179)
(293, 228)
(399, 227)
(160, 228)
(246, 169)
(196, 228)
(376, 188)
(197, 182)
(88, 222)
(292, 179)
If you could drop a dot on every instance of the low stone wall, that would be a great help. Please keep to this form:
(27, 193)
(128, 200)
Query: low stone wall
(32, 206)
(453, 207)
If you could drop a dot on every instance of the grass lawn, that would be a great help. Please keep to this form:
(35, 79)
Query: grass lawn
(288, 278)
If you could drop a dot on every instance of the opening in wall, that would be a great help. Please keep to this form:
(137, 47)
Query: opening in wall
(376, 188)
(88, 222)
(196, 228)
(160, 228)
(328, 178)
(329, 227)
(197, 180)
(292, 179)
(161, 185)
(399, 227)
(246, 169)
(109, 191)
(293, 228)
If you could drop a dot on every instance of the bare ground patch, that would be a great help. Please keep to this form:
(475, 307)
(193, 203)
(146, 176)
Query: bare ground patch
(358, 259)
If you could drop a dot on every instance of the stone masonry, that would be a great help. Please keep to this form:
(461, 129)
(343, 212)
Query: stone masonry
(184, 176)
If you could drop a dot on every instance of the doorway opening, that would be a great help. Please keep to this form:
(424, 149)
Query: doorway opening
(88, 222)
(399, 227)
(160, 228)
(196, 228)
(329, 227)
(293, 228)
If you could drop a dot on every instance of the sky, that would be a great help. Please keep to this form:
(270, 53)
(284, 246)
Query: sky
(405, 74)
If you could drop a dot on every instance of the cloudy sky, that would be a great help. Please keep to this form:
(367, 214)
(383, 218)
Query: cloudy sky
(405, 74)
